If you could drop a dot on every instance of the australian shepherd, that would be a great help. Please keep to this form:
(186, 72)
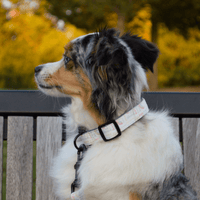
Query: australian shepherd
(129, 152)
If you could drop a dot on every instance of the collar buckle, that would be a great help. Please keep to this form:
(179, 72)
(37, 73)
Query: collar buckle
(108, 123)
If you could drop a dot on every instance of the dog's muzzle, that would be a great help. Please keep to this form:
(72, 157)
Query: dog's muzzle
(38, 69)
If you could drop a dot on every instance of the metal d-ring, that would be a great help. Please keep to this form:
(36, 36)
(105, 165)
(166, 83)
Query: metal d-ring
(81, 131)
(76, 139)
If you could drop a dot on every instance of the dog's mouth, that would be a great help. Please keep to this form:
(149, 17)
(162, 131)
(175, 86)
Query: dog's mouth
(50, 87)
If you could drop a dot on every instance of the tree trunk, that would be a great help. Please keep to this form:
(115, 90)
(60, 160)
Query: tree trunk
(153, 77)
(121, 21)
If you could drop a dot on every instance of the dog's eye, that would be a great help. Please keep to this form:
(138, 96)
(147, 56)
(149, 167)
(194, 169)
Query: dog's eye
(66, 59)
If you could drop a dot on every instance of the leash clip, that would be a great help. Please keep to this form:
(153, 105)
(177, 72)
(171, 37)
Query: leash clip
(81, 150)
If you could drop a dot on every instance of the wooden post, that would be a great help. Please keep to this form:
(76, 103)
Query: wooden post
(19, 158)
(191, 144)
(49, 140)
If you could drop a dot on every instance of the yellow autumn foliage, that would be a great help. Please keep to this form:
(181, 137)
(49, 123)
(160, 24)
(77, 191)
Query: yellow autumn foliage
(179, 59)
(141, 23)
(26, 41)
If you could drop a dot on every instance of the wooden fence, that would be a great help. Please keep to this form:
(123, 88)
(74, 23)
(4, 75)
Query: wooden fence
(28, 116)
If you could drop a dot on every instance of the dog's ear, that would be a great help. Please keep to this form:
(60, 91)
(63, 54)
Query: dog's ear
(111, 75)
(112, 63)
(143, 51)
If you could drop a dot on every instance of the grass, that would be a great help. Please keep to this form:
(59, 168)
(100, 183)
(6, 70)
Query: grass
(4, 171)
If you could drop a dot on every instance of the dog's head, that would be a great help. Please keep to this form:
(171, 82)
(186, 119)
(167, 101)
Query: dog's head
(104, 70)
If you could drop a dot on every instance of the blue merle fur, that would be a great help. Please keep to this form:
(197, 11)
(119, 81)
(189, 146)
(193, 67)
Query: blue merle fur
(113, 77)
(176, 187)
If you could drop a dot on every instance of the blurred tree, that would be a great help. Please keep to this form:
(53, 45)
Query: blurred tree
(179, 15)
(141, 23)
(90, 14)
(179, 61)
(27, 40)
(21, 38)
(93, 14)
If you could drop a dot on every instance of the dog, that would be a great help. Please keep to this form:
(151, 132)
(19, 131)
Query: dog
(104, 75)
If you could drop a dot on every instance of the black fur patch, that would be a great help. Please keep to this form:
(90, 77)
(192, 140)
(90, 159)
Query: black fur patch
(144, 52)
(74, 58)
(86, 41)
(109, 34)
(102, 102)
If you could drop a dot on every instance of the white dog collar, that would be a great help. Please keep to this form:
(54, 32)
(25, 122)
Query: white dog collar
(113, 129)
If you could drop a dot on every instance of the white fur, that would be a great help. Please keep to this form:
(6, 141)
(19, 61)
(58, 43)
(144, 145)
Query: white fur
(76, 116)
(63, 169)
(146, 153)
(49, 69)
(82, 36)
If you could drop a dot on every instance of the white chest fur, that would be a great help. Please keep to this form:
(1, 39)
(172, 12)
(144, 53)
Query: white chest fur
(146, 153)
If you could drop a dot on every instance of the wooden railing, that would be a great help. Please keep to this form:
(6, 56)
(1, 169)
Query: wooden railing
(31, 127)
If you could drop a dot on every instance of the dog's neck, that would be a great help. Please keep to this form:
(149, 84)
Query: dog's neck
(88, 116)
(82, 116)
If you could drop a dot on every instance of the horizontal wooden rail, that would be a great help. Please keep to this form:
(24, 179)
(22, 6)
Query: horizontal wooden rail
(32, 103)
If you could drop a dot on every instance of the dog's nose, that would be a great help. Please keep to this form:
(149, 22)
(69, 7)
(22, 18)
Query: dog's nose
(38, 69)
